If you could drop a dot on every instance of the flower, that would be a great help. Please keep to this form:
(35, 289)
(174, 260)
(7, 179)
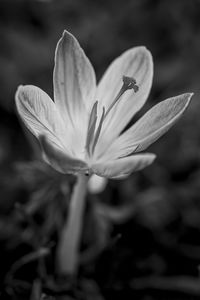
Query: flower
(81, 131)
(96, 184)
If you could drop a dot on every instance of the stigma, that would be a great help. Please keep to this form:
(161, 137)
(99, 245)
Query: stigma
(129, 83)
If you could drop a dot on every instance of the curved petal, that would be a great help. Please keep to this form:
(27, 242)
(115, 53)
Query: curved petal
(151, 126)
(137, 63)
(74, 81)
(96, 184)
(59, 159)
(123, 167)
(39, 113)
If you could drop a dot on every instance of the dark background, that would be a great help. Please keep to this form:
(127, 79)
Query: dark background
(145, 237)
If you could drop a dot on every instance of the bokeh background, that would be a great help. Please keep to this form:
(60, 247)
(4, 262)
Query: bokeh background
(143, 233)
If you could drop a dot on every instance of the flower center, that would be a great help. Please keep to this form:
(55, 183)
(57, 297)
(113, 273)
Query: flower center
(94, 130)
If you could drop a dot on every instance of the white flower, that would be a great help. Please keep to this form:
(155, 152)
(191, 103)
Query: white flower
(81, 131)
(96, 184)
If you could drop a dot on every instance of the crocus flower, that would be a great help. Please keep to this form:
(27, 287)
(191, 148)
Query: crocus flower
(96, 184)
(82, 130)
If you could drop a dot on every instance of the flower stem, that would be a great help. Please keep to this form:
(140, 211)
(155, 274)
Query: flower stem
(68, 247)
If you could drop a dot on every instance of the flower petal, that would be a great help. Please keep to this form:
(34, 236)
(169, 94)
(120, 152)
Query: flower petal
(74, 81)
(60, 160)
(39, 113)
(151, 126)
(122, 167)
(96, 184)
(137, 63)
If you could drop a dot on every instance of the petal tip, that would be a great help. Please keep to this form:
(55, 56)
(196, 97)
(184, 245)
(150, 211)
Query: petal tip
(146, 51)
(19, 88)
(186, 98)
(67, 35)
(24, 90)
(152, 156)
(189, 97)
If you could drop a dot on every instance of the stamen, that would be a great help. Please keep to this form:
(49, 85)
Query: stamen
(128, 84)
(92, 134)
(91, 127)
(98, 131)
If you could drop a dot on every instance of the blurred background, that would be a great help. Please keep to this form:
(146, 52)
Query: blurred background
(141, 237)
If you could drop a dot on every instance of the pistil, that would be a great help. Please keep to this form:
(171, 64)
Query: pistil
(93, 132)
(128, 84)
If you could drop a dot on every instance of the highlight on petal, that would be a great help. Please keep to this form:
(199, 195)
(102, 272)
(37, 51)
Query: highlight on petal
(137, 63)
(96, 184)
(60, 160)
(152, 125)
(121, 168)
(39, 113)
(74, 80)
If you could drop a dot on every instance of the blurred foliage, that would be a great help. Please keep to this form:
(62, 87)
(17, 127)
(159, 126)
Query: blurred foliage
(141, 238)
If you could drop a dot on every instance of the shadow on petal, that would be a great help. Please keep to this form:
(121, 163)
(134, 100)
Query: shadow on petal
(60, 160)
(121, 168)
